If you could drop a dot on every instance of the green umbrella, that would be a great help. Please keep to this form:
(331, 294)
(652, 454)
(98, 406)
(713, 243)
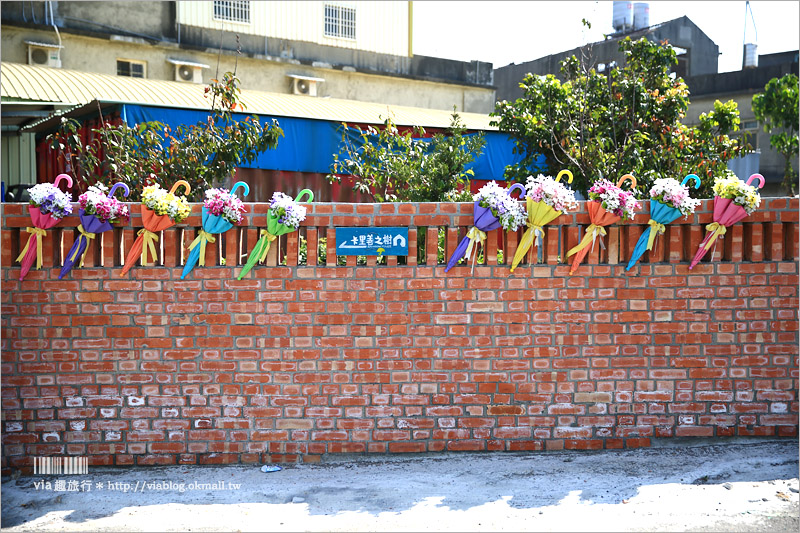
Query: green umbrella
(274, 230)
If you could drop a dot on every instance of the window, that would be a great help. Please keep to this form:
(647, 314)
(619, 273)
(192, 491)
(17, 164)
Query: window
(340, 21)
(232, 10)
(131, 68)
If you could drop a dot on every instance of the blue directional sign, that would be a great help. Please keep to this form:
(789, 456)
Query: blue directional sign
(371, 241)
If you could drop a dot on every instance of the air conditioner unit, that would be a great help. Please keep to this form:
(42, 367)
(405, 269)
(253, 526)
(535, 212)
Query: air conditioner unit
(188, 73)
(44, 55)
(305, 85)
(187, 70)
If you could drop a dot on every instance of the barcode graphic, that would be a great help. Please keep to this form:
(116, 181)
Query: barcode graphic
(60, 465)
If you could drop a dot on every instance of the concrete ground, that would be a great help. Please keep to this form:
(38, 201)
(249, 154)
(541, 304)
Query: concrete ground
(736, 486)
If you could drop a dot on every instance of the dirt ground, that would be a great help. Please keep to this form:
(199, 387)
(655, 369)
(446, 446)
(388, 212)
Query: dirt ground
(737, 486)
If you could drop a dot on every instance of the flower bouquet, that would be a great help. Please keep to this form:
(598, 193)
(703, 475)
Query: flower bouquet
(48, 205)
(222, 209)
(98, 212)
(669, 200)
(494, 208)
(284, 216)
(160, 210)
(608, 204)
(547, 199)
(733, 201)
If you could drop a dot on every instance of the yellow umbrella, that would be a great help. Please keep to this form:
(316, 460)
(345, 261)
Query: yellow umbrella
(539, 214)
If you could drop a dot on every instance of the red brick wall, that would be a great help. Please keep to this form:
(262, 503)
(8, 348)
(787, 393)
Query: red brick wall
(301, 360)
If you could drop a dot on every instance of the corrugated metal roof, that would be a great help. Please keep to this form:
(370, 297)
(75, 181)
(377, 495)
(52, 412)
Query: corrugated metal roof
(27, 82)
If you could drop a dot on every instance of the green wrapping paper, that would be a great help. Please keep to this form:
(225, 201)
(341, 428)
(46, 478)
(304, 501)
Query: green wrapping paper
(274, 230)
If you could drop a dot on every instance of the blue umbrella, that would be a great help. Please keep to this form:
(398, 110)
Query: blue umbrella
(89, 227)
(212, 224)
(660, 215)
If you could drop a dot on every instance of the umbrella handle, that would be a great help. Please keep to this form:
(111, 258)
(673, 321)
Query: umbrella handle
(761, 181)
(627, 177)
(696, 180)
(568, 173)
(243, 185)
(305, 192)
(116, 186)
(521, 189)
(181, 182)
(64, 177)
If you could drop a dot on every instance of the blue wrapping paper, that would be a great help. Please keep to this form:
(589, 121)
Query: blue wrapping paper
(660, 213)
(212, 224)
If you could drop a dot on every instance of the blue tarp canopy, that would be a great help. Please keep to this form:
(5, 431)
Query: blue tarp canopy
(308, 145)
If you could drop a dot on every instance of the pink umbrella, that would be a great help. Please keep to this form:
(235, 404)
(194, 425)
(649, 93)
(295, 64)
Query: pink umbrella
(726, 213)
(41, 223)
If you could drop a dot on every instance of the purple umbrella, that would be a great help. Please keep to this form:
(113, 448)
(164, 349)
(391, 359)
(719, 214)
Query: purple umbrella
(89, 227)
(483, 221)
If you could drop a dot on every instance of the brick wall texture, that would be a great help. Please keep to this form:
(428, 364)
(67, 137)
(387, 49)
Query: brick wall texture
(308, 358)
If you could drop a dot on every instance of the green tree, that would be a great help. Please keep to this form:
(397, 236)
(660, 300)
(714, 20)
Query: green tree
(203, 154)
(777, 109)
(623, 120)
(391, 166)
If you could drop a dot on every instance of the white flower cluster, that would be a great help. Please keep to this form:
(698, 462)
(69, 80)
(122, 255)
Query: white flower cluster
(289, 212)
(553, 193)
(731, 187)
(50, 200)
(670, 192)
(507, 210)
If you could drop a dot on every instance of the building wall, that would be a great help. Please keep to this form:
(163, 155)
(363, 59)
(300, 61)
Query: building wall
(771, 163)
(18, 162)
(98, 55)
(381, 27)
(150, 19)
(306, 359)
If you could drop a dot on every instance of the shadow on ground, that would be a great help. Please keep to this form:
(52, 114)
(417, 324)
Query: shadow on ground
(376, 491)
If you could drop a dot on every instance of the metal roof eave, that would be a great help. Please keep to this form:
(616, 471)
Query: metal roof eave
(60, 86)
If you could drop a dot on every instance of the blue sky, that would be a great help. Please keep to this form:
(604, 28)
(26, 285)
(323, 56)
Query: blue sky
(503, 32)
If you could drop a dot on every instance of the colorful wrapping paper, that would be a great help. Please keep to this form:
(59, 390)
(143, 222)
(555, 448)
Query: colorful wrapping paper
(483, 221)
(599, 218)
(274, 230)
(212, 224)
(41, 223)
(660, 215)
(726, 213)
(89, 227)
(539, 215)
(147, 236)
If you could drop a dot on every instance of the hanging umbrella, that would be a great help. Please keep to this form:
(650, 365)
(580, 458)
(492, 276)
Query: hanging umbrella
(212, 224)
(599, 218)
(661, 214)
(41, 223)
(483, 220)
(89, 227)
(274, 230)
(726, 213)
(539, 214)
(145, 241)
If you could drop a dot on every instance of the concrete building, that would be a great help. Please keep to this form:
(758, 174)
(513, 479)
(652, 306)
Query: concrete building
(349, 50)
(740, 86)
(697, 55)
(355, 51)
